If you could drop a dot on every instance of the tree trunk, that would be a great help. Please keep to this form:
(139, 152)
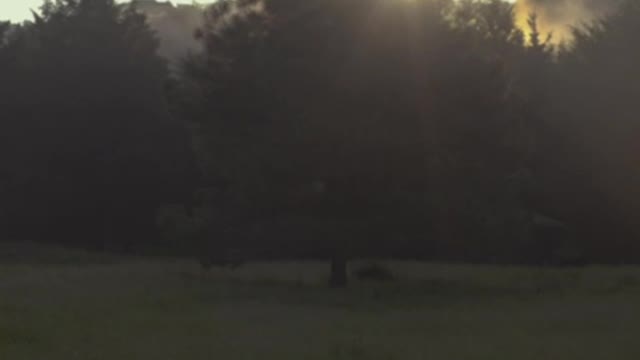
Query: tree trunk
(338, 277)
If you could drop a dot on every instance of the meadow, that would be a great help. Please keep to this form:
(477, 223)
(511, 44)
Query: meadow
(58, 304)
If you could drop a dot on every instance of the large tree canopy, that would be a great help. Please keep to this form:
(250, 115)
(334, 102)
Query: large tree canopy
(390, 123)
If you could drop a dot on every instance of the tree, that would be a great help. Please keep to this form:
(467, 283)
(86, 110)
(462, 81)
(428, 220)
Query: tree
(4, 30)
(93, 149)
(595, 129)
(376, 120)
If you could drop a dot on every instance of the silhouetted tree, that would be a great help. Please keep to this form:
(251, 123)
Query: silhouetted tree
(381, 121)
(93, 149)
(324, 128)
(594, 111)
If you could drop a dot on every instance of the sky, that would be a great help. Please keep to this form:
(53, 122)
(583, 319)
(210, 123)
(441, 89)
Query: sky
(16, 10)
(19, 10)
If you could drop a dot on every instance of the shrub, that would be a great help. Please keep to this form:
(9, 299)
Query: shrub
(374, 272)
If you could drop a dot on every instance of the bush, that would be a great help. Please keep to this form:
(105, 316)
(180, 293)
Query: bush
(374, 272)
(231, 259)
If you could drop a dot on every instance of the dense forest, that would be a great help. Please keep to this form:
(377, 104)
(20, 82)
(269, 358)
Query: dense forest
(430, 129)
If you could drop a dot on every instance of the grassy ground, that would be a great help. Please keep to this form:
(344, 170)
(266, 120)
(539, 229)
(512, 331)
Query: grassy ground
(71, 305)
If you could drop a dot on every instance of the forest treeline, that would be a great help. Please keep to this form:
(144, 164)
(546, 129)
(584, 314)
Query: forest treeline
(430, 129)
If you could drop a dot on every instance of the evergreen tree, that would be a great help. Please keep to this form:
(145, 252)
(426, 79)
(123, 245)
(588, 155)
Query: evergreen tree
(595, 105)
(93, 149)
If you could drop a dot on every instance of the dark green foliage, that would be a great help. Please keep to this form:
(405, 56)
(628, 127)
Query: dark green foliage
(591, 133)
(90, 147)
(430, 129)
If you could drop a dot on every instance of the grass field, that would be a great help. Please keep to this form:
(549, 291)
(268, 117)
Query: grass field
(56, 304)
